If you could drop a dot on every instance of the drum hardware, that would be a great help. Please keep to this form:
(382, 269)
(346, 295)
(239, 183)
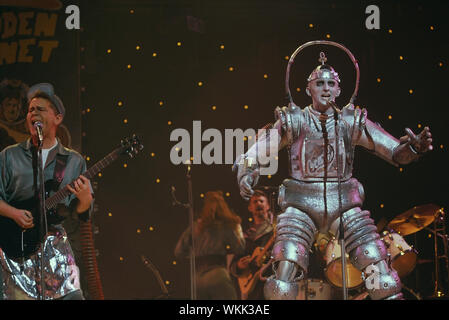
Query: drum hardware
(439, 231)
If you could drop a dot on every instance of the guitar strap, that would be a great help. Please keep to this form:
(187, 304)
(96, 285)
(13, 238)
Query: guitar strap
(58, 174)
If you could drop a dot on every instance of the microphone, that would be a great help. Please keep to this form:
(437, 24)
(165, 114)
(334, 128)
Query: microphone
(38, 126)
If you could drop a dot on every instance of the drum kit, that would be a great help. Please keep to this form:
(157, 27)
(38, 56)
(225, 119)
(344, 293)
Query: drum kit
(402, 257)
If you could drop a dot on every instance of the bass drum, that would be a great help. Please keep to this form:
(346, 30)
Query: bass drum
(316, 289)
(333, 267)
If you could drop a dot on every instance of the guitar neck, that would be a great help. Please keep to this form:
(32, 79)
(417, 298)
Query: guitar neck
(52, 201)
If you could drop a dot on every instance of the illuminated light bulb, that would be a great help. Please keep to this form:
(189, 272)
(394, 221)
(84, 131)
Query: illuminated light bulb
(401, 58)
(88, 158)
(176, 149)
(231, 69)
(174, 262)
(245, 107)
(161, 103)
(286, 57)
(109, 51)
(298, 89)
(310, 25)
(410, 91)
(328, 36)
(441, 146)
(265, 76)
(228, 247)
(390, 31)
(125, 165)
(430, 236)
(137, 47)
(440, 64)
(269, 176)
(125, 121)
(379, 80)
(154, 54)
(131, 11)
(88, 110)
(200, 84)
(100, 175)
(277, 158)
(432, 28)
(250, 219)
(250, 137)
(202, 195)
(153, 154)
(191, 158)
(151, 228)
(179, 43)
(121, 258)
(167, 282)
(120, 103)
(128, 66)
(158, 180)
(390, 117)
(245, 138)
(227, 194)
(401, 169)
(222, 47)
(169, 123)
(419, 125)
(381, 205)
(138, 231)
(110, 214)
(214, 108)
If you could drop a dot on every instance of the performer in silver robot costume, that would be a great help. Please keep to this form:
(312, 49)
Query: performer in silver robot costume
(310, 198)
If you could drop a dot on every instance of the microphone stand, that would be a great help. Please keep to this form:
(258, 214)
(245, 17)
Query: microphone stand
(192, 248)
(189, 205)
(341, 235)
(42, 215)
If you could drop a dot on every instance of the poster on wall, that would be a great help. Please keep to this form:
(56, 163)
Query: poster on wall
(37, 44)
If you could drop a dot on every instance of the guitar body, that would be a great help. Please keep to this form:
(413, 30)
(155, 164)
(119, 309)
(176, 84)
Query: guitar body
(248, 281)
(11, 234)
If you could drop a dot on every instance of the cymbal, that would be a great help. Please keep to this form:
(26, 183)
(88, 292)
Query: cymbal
(415, 219)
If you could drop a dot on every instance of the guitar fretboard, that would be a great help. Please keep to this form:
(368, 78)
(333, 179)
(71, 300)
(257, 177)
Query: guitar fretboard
(52, 201)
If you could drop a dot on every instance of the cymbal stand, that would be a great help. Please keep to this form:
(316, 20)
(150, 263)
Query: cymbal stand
(439, 230)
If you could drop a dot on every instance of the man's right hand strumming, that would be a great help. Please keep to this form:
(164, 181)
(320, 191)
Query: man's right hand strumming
(243, 263)
(23, 218)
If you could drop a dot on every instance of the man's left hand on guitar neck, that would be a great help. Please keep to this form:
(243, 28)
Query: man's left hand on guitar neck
(82, 191)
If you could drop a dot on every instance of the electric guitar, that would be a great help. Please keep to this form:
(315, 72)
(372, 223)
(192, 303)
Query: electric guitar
(248, 280)
(19, 243)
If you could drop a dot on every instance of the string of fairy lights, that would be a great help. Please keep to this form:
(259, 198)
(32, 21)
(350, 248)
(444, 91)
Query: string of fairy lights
(161, 103)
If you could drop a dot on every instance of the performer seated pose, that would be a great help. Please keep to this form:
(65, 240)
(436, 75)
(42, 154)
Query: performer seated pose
(309, 199)
(19, 182)
(259, 239)
(217, 234)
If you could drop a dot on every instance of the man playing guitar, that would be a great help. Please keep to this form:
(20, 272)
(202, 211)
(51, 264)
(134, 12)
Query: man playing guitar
(19, 181)
(259, 239)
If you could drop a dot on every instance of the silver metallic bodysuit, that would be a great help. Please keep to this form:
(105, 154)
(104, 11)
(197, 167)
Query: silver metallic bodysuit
(309, 199)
